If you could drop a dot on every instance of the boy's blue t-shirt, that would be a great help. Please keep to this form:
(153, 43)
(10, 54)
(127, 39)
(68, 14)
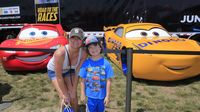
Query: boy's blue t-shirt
(96, 73)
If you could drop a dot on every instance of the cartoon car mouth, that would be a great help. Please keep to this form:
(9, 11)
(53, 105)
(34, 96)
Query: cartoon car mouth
(33, 59)
(177, 68)
(34, 41)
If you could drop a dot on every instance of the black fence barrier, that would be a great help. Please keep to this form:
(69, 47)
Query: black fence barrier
(110, 51)
(129, 53)
(28, 49)
(50, 50)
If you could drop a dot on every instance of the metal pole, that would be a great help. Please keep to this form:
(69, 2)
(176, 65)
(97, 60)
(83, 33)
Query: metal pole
(35, 11)
(59, 14)
(129, 79)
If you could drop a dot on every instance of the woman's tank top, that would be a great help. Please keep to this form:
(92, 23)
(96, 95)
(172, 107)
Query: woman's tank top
(66, 64)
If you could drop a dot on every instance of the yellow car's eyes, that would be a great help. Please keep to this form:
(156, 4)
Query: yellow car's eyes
(159, 33)
(136, 34)
(155, 32)
(34, 33)
(144, 34)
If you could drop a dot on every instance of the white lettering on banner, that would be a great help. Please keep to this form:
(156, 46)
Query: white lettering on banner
(190, 19)
(11, 17)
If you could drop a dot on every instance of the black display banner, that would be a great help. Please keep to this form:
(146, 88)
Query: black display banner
(47, 11)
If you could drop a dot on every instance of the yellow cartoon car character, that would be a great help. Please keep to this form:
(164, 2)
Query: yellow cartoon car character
(150, 36)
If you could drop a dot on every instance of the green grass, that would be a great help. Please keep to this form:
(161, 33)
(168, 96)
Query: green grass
(33, 92)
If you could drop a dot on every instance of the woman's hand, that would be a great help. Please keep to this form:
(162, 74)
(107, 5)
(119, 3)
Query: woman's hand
(66, 99)
(73, 94)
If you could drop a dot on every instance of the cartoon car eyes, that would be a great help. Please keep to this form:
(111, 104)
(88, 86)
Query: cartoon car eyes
(48, 33)
(155, 32)
(34, 33)
(159, 33)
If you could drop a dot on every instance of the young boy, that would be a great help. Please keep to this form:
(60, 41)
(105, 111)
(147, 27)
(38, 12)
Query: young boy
(95, 73)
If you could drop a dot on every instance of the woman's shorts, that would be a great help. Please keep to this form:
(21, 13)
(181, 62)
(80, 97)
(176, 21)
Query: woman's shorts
(52, 74)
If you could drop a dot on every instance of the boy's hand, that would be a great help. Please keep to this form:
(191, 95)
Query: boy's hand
(106, 100)
(83, 99)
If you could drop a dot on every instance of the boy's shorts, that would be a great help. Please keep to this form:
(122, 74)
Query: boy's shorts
(52, 74)
(95, 105)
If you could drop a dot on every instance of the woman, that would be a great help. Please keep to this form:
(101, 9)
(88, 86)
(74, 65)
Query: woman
(63, 67)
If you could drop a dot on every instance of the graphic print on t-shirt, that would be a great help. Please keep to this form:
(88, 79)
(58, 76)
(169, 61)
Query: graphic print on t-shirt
(96, 78)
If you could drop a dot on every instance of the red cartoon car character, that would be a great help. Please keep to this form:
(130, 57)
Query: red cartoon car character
(46, 36)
